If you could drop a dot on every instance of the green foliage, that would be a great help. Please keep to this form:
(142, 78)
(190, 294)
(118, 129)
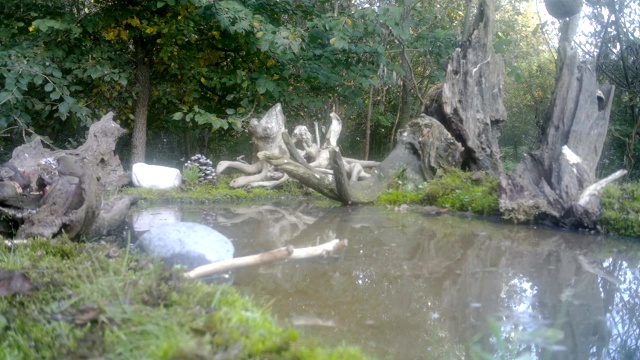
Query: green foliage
(463, 191)
(528, 80)
(190, 175)
(621, 209)
(145, 311)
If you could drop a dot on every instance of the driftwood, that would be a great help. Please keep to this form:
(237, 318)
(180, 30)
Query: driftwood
(287, 252)
(73, 201)
(422, 148)
(70, 205)
(265, 135)
(550, 183)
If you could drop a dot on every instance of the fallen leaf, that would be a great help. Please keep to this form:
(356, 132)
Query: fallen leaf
(87, 313)
(14, 282)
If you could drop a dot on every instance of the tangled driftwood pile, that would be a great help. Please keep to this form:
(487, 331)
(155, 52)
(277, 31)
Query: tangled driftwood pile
(73, 181)
(422, 147)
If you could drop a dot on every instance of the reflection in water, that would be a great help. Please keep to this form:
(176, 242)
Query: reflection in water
(413, 286)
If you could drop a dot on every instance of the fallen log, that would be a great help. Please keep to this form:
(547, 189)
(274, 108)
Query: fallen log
(287, 252)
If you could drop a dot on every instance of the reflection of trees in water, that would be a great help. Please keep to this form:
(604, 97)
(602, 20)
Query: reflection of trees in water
(431, 283)
(623, 308)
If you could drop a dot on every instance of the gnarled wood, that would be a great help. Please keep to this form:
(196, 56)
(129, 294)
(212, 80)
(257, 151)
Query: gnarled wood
(547, 185)
(470, 102)
(265, 134)
(421, 148)
(73, 200)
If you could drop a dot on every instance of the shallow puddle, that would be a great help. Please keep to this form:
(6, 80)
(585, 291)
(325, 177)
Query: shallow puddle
(414, 285)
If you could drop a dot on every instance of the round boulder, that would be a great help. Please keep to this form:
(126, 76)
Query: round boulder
(185, 243)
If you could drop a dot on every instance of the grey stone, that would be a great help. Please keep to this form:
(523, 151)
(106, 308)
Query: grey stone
(187, 244)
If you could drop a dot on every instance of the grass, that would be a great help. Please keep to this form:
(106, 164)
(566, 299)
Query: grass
(144, 311)
(221, 192)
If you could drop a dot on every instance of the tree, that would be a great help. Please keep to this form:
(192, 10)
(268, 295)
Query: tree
(50, 76)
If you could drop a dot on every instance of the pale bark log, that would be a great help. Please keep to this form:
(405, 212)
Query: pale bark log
(287, 252)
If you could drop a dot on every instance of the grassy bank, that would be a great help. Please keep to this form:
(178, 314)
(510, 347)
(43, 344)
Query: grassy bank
(86, 301)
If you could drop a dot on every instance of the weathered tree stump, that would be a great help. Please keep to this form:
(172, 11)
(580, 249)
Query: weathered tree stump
(469, 103)
(73, 201)
(551, 183)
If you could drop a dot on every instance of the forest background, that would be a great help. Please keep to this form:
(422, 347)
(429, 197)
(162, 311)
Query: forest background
(186, 76)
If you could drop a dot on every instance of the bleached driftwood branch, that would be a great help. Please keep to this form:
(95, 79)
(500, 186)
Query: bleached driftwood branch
(595, 189)
(287, 252)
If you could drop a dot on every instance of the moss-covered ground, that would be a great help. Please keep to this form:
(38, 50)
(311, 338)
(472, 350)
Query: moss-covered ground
(192, 192)
(455, 190)
(97, 301)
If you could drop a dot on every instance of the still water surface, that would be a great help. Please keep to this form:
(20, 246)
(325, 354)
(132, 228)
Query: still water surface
(414, 285)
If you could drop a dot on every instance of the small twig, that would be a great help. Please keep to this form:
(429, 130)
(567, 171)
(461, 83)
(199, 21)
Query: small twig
(25, 128)
(250, 112)
(7, 129)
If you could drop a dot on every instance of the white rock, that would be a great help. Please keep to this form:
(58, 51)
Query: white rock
(155, 177)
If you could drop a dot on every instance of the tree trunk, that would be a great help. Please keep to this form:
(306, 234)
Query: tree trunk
(367, 130)
(549, 184)
(143, 84)
(470, 103)
(405, 97)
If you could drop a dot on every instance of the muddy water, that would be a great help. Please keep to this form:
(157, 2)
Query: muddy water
(413, 285)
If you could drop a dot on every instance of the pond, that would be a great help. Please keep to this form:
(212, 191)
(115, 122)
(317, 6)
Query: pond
(413, 284)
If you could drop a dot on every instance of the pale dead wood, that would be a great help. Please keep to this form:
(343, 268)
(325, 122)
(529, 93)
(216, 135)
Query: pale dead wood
(325, 249)
(595, 189)
(287, 252)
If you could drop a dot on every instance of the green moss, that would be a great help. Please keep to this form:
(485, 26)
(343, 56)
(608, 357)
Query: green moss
(455, 189)
(397, 197)
(146, 311)
(463, 191)
(621, 209)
